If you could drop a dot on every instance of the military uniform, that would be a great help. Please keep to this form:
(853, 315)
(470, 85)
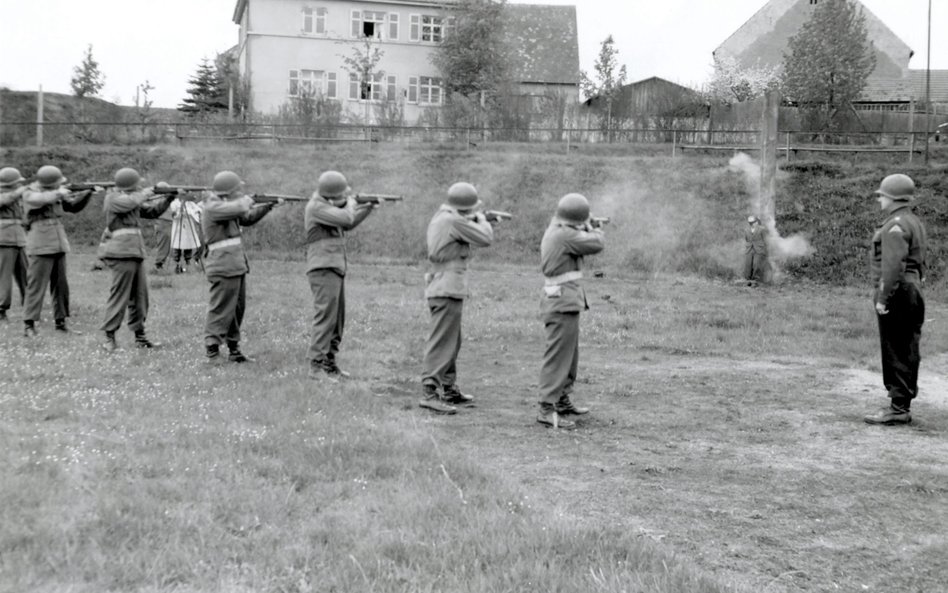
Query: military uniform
(898, 266)
(124, 253)
(47, 246)
(326, 266)
(756, 262)
(13, 264)
(450, 238)
(562, 250)
(162, 238)
(226, 267)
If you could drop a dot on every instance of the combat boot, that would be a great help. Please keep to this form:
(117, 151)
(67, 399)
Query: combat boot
(565, 407)
(212, 354)
(142, 341)
(234, 353)
(453, 395)
(431, 400)
(331, 360)
(549, 417)
(321, 370)
(889, 416)
(29, 329)
(109, 344)
(3, 316)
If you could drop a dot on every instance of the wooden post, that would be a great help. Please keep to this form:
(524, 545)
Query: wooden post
(911, 130)
(768, 152)
(39, 116)
(1, 120)
(230, 103)
(787, 156)
(674, 143)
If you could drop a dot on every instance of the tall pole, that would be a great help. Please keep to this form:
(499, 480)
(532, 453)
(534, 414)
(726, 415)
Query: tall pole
(39, 116)
(928, 84)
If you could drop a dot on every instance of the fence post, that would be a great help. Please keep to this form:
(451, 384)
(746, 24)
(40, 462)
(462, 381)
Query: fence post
(1, 120)
(674, 143)
(39, 116)
(787, 156)
(911, 130)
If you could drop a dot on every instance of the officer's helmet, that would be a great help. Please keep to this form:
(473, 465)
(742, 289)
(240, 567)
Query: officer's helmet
(898, 187)
(573, 208)
(332, 185)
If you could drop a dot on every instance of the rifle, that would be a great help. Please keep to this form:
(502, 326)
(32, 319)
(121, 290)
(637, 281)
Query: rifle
(376, 198)
(89, 185)
(165, 189)
(598, 222)
(274, 198)
(497, 215)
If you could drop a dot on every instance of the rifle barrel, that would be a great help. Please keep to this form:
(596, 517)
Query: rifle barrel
(375, 198)
(275, 197)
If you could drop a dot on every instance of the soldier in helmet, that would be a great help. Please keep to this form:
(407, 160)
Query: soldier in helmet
(455, 228)
(124, 252)
(898, 267)
(756, 262)
(13, 262)
(570, 237)
(45, 201)
(330, 213)
(226, 209)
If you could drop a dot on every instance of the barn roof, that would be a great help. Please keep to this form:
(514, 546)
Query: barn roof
(939, 85)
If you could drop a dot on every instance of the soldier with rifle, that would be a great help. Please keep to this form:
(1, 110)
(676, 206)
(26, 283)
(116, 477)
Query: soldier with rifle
(13, 262)
(124, 253)
(571, 236)
(455, 228)
(45, 201)
(226, 209)
(330, 214)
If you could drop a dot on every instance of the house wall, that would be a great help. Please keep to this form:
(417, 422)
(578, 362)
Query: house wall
(274, 43)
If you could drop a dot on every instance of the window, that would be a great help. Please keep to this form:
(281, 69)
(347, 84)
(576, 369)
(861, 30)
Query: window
(368, 23)
(314, 20)
(429, 90)
(390, 89)
(432, 28)
(393, 25)
(412, 89)
(331, 85)
(371, 91)
(312, 83)
(414, 27)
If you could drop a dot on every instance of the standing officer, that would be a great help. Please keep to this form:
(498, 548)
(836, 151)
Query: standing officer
(329, 214)
(455, 227)
(898, 267)
(227, 209)
(124, 253)
(570, 236)
(12, 238)
(45, 200)
(756, 263)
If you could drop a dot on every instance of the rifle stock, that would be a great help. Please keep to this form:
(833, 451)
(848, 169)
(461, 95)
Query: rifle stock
(377, 198)
(497, 215)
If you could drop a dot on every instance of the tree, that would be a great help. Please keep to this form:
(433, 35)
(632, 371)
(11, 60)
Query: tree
(732, 83)
(829, 60)
(472, 58)
(205, 95)
(363, 65)
(607, 86)
(87, 79)
(228, 71)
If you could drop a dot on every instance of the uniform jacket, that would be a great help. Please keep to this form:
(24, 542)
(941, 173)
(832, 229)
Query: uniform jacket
(898, 252)
(562, 250)
(755, 239)
(450, 237)
(222, 220)
(123, 212)
(44, 208)
(326, 227)
(11, 218)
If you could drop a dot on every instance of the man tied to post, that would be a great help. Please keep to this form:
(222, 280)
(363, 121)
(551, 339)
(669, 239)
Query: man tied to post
(570, 237)
(124, 253)
(756, 261)
(330, 213)
(13, 262)
(226, 209)
(45, 201)
(898, 268)
(454, 229)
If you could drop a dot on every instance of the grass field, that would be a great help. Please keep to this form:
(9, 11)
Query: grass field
(725, 450)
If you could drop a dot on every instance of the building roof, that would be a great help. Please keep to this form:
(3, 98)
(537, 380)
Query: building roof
(886, 90)
(939, 85)
(542, 43)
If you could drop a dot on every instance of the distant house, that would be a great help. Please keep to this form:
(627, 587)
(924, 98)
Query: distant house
(293, 48)
(655, 97)
(763, 40)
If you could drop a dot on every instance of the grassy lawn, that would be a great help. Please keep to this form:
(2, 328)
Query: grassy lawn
(725, 451)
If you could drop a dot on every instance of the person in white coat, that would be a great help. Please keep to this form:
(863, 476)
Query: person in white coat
(185, 236)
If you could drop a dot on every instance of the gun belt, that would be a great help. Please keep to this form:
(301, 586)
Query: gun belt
(128, 231)
(224, 243)
(563, 278)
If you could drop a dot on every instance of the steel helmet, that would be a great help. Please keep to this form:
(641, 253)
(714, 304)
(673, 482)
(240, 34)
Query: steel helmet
(898, 187)
(332, 185)
(462, 195)
(226, 182)
(752, 219)
(127, 178)
(573, 208)
(10, 177)
(49, 176)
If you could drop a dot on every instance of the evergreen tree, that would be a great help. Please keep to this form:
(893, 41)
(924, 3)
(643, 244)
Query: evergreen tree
(87, 79)
(829, 59)
(205, 95)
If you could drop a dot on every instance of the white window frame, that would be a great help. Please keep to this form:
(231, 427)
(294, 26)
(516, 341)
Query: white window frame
(375, 88)
(332, 86)
(434, 27)
(391, 86)
(358, 19)
(317, 20)
(320, 82)
(293, 88)
(412, 89)
(393, 26)
(414, 27)
(428, 86)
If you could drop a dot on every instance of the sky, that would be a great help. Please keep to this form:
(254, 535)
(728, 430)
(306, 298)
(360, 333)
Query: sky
(163, 42)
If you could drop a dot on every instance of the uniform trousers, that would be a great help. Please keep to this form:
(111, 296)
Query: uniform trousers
(561, 359)
(329, 313)
(46, 270)
(225, 311)
(162, 240)
(900, 331)
(756, 266)
(129, 291)
(13, 267)
(444, 342)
